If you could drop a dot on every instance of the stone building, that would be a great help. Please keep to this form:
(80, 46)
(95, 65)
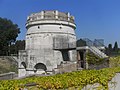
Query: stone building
(50, 41)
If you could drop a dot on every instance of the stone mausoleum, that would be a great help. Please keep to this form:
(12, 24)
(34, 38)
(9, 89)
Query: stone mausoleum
(50, 41)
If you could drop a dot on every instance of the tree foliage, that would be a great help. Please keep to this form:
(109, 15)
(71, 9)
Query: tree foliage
(115, 48)
(109, 49)
(18, 45)
(112, 51)
(8, 34)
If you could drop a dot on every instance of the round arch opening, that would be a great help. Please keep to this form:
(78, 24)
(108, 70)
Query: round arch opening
(40, 66)
(23, 64)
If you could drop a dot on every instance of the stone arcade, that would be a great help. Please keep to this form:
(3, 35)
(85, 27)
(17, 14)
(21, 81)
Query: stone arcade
(50, 41)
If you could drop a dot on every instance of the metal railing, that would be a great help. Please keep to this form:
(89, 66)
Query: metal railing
(96, 42)
(93, 46)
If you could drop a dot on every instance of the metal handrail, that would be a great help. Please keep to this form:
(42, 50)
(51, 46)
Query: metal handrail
(99, 43)
(91, 44)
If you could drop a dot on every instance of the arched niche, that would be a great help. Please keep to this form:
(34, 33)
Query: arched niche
(23, 65)
(40, 66)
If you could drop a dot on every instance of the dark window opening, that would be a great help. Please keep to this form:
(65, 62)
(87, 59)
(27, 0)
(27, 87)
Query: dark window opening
(65, 55)
(24, 64)
(38, 27)
(82, 59)
(60, 27)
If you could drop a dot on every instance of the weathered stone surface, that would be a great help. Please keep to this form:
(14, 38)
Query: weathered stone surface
(50, 39)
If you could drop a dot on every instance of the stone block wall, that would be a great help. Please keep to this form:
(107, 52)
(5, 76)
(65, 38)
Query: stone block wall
(65, 67)
(7, 76)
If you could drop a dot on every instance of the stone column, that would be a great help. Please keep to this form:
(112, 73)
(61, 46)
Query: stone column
(42, 14)
(68, 16)
(29, 71)
(78, 59)
(70, 56)
(21, 72)
(86, 62)
(56, 14)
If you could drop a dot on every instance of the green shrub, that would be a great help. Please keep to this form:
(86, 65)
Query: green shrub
(70, 81)
(114, 61)
(93, 59)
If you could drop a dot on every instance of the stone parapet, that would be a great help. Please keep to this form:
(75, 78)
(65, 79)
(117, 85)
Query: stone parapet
(50, 15)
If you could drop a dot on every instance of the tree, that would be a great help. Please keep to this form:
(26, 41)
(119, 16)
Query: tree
(109, 49)
(18, 45)
(115, 48)
(8, 34)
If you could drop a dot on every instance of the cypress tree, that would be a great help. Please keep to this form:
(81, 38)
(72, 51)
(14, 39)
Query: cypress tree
(115, 48)
(109, 49)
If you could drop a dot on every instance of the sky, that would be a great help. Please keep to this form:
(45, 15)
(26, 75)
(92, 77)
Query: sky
(95, 19)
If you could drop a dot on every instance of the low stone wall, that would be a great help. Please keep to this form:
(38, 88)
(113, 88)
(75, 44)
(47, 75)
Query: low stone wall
(65, 67)
(103, 64)
(6, 76)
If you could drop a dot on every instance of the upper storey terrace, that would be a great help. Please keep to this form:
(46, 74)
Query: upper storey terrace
(51, 15)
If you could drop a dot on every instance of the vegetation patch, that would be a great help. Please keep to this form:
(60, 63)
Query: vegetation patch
(93, 59)
(7, 65)
(71, 81)
(114, 61)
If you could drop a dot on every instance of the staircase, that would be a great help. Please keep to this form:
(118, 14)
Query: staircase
(93, 48)
(97, 52)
